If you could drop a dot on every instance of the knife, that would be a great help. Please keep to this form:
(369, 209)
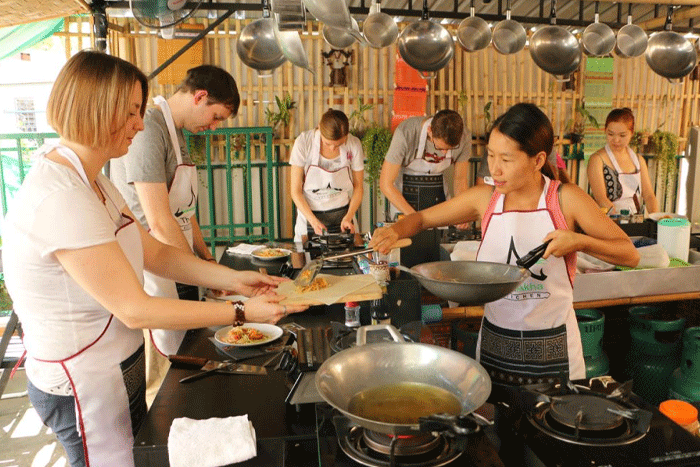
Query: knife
(210, 366)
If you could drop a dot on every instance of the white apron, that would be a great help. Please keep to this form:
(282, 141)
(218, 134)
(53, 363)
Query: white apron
(107, 376)
(420, 166)
(545, 300)
(183, 202)
(631, 182)
(324, 190)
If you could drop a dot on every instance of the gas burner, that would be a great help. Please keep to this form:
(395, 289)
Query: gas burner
(372, 449)
(452, 234)
(334, 241)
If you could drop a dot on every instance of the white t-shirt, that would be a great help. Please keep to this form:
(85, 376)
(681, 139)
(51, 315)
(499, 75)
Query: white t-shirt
(304, 143)
(54, 210)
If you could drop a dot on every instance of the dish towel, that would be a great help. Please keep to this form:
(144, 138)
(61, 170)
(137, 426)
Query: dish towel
(243, 249)
(212, 442)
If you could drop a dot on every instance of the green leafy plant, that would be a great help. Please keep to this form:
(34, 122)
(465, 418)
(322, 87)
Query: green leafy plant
(665, 148)
(576, 124)
(197, 147)
(375, 144)
(358, 122)
(283, 113)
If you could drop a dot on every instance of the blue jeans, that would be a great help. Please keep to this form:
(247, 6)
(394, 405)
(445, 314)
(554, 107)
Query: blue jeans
(58, 413)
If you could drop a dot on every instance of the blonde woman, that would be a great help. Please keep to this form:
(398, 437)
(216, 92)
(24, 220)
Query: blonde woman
(74, 259)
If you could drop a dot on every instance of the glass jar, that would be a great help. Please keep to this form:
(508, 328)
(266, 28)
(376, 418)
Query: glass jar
(683, 413)
(352, 314)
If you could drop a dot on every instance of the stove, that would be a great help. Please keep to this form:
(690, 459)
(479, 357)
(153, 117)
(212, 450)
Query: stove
(595, 423)
(332, 244)
(453, 235)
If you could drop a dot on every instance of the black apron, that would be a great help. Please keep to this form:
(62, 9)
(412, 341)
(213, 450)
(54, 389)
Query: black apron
(331, 219)
(422, 192)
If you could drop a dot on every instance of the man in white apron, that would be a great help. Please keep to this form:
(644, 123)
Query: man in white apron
(159, 182)
(412, 176)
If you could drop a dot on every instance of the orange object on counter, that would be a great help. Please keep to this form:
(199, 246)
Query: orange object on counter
(683, 413)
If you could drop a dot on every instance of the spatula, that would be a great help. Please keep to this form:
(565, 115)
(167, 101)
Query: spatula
(312, 268)
(532, 256)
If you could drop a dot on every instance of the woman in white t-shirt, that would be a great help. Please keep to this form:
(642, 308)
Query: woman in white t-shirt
(327, 177)
(74, 260)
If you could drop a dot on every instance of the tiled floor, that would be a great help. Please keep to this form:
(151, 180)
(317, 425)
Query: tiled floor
(24, 440)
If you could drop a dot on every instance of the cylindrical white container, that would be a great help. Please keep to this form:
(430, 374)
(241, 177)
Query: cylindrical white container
(674, 236)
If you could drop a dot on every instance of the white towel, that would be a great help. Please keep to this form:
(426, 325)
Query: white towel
(243, 249)
(212, 442)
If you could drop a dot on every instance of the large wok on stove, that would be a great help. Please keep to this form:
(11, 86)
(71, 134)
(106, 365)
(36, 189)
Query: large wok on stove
(468, 282)
(387, 364)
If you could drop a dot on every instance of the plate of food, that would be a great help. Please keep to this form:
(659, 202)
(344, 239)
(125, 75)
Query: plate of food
(270, 254)
(248, 335)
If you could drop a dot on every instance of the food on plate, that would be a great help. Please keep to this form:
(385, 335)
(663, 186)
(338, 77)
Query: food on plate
(270, 253)
(244, 335)
(317, 284)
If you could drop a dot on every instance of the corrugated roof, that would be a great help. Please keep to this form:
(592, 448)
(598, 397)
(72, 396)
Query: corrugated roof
(14, 12)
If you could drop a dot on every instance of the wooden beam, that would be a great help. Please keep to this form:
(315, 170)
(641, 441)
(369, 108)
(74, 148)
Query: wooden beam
(678, 16)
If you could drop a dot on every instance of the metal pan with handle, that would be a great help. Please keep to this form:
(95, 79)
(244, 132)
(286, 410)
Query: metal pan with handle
(352, 372)
(474, 33)
(509, 36)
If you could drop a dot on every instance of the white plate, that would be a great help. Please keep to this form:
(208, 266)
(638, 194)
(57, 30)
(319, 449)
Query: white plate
(256, 254)
(656, 216)
(273, 332)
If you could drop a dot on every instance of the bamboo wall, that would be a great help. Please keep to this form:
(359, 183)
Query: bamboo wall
(467, 84)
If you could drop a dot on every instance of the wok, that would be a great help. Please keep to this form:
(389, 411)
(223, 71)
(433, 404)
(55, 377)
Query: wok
(670, 54)
(292, 48)
(425, 45)
(468, 282)
(379, 29)
(340, 38)
(368, 366)
(631, 39)
(257, 46)
(598, 39)
(555, 49)
(509, 36)
(473, 33)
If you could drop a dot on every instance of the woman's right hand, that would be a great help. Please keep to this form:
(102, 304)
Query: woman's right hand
(382, 239)
(318, 226)
(266, 308)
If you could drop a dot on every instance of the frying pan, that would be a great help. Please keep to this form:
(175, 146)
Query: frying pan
(509, 36)
(555, 49)
(631, 39)
(368, 366)
(257, 46)
(339, 38)
(473, 32)
(670, 54)
(379, 29)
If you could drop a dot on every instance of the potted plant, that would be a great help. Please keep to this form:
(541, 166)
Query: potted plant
(358, 122)
(280, 118)
(665, 148)
(577, 124)
(375, 144)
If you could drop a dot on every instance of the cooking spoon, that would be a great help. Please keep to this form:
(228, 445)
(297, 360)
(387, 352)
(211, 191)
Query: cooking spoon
(312, 268)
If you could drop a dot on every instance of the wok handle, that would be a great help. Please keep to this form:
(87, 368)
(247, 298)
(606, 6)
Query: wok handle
(532, 256)
(450, 425)
(362, 333)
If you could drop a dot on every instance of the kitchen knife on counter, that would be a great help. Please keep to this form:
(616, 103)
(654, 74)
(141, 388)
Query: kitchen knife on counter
(210, 366)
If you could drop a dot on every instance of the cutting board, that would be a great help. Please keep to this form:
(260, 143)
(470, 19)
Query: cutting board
(341, 289)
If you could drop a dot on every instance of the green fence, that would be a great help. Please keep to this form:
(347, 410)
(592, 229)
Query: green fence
(239, 180)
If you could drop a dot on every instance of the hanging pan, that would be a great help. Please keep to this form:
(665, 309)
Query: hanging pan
(670, 54)
(598, 38)
(339, 38)
(509, 36)
(257, 46)
(631, 39)
(379, 29)
(555, 49)
(425, 45)
(473, 32)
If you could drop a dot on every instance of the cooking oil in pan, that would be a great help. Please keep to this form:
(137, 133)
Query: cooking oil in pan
(403, 403)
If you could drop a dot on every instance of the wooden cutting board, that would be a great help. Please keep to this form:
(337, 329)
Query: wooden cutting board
(341, 289)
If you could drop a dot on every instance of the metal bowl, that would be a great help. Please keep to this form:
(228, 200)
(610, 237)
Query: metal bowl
(426, 46)
(257, 46)
(670, 54)
(631, 41)
(598, 39)
(473, 33)
(509, 37)
(555, 50)
(380, 30)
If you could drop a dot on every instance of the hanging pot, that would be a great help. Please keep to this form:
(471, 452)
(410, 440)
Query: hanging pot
(379, 29)
(289, 15)
(292, 48)
(631, 39)
(339, 38)
(473, 33)
(555, 49)
(598, 38)
(509, 36)
(670, 54)
(426, 46)
(257, 46)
